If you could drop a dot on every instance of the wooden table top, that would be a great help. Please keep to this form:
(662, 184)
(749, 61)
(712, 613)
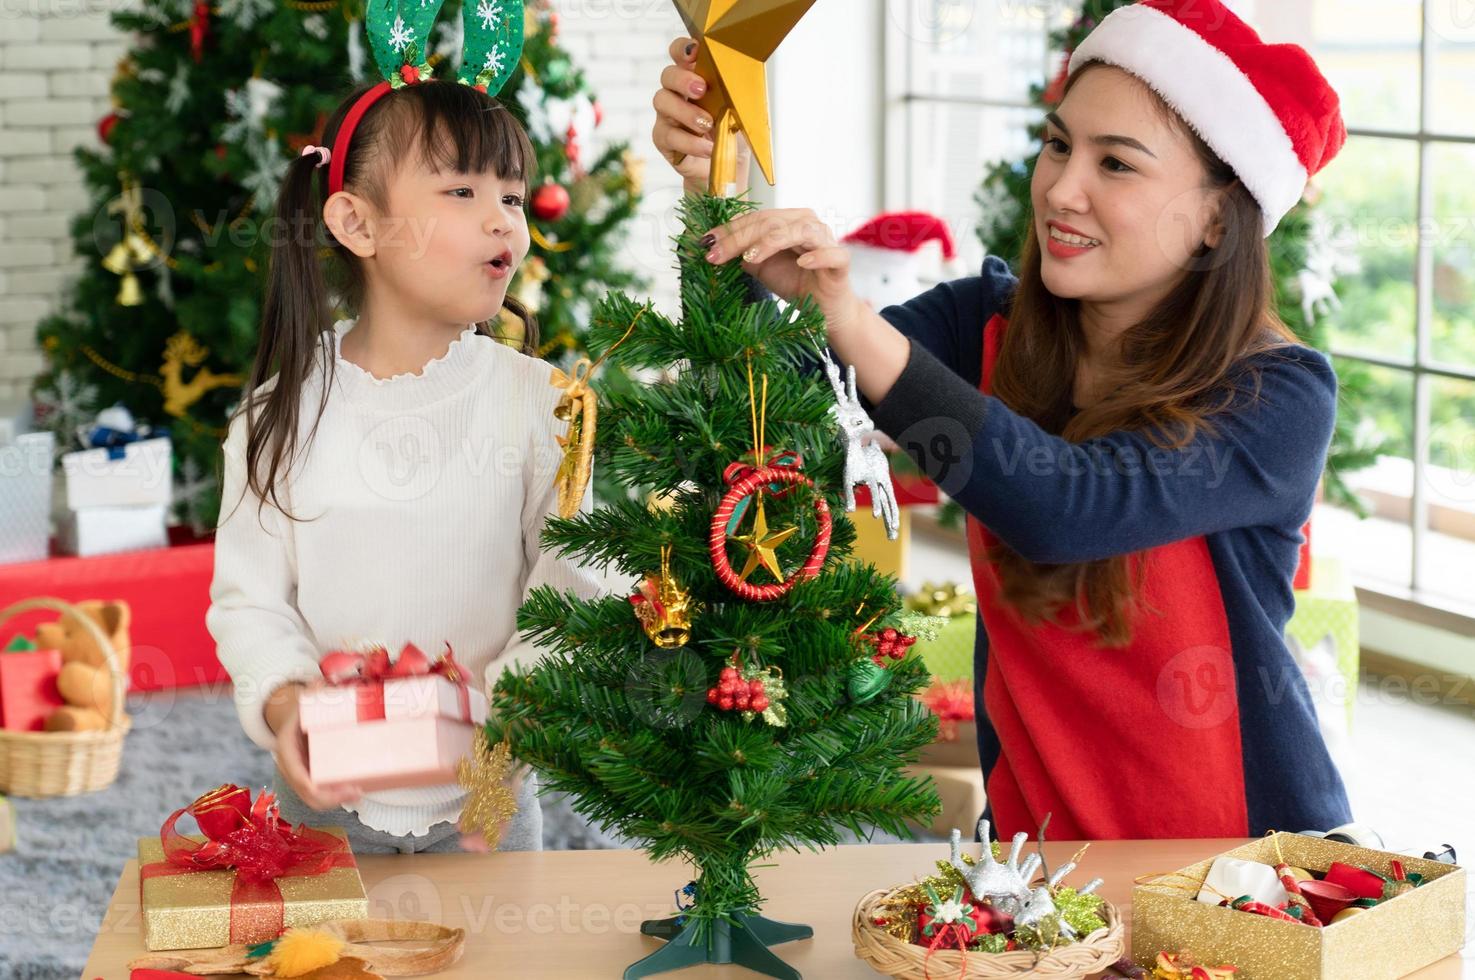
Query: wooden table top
(576, 914)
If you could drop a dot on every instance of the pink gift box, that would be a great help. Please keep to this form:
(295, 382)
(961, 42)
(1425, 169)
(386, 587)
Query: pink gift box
(403, 698)
(395, 754)
(433, 696)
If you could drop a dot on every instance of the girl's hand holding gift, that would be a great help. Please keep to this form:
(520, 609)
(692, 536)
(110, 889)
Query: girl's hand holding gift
(291, 752)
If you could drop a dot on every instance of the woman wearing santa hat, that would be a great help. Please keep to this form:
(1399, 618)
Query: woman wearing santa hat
(1136, 437)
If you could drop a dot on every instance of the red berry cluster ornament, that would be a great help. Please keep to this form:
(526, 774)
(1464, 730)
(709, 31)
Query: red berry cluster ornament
(733, 692)
(751, 691)
(890, 644)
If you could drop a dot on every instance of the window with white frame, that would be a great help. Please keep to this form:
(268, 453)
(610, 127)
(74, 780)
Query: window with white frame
(1400, 200)
(960, 76)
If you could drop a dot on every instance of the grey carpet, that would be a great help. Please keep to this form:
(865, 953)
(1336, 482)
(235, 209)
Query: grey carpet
(57, 883)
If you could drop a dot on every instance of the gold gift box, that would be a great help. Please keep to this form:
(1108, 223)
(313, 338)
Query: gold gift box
(192, 911)
(1392, 939)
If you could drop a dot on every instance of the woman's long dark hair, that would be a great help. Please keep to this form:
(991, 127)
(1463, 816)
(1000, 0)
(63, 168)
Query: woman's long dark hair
(1179, 367)
(449, 126)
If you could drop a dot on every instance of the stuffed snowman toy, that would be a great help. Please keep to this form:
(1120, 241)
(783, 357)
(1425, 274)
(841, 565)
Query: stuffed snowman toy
(887, 257)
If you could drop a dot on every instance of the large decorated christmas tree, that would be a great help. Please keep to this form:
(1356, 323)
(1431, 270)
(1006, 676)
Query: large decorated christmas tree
(209, 105)
(755, 693)
(1303, 257)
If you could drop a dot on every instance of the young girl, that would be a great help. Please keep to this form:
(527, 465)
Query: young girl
(1135, 436)
(388, 476)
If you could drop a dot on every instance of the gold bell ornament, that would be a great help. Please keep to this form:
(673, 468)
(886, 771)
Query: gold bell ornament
(664, 607)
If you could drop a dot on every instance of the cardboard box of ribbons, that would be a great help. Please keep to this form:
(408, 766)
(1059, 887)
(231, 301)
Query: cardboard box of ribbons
(244, 879)
(389, 726)
(1393, 938)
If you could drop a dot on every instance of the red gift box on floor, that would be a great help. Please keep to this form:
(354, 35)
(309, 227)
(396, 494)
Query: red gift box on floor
(168, 590)
(28, 691)
(390, 726)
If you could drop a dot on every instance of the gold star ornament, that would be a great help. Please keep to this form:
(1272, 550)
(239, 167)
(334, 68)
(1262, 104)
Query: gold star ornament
(763, 545)
(735, 40)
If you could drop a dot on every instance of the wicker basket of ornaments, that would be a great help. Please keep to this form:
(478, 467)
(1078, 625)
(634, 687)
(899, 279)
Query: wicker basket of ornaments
(987, 918)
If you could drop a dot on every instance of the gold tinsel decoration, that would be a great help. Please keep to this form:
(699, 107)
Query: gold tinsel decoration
(489, 801)
(578, 407)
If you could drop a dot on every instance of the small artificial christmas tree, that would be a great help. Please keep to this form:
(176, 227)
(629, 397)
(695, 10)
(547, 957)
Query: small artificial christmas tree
(707, 717)
(1303, 260)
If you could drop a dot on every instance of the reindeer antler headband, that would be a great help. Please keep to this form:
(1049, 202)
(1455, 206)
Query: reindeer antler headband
(397, 31)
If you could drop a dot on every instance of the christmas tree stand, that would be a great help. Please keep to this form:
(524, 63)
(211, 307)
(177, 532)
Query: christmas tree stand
(745, 943)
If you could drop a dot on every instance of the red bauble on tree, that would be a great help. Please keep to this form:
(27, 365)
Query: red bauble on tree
(550, 202)
(105, 127)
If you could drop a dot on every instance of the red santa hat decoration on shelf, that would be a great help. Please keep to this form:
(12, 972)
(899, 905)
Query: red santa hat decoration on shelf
(888, 255)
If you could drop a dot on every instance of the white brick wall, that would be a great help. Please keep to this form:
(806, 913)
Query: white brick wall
(55, 63)
(622, 47)
(57, 58)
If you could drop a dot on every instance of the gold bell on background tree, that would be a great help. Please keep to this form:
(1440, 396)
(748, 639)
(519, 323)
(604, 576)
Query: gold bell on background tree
(129, 254)
(664, 607)
(134, 251)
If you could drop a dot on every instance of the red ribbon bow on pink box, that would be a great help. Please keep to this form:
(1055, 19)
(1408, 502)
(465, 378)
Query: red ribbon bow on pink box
(363, 679)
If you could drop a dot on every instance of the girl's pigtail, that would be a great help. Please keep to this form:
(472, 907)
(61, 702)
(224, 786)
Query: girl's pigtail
(292, 326)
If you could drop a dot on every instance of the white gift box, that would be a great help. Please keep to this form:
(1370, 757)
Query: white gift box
(25, 496)
(143, 476)
(105, 530)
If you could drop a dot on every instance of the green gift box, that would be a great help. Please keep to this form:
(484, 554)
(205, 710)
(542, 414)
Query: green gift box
(1329, 608)
(949, 657)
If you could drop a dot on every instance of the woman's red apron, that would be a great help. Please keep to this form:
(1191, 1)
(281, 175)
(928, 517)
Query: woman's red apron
(1130, 743)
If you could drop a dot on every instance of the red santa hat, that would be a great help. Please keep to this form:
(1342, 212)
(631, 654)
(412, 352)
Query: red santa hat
(903, 231)
(1265, 109)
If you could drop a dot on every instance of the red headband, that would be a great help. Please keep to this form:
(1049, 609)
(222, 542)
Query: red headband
(345, 134)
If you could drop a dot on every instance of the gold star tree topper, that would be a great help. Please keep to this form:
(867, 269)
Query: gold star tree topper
(735, 40)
